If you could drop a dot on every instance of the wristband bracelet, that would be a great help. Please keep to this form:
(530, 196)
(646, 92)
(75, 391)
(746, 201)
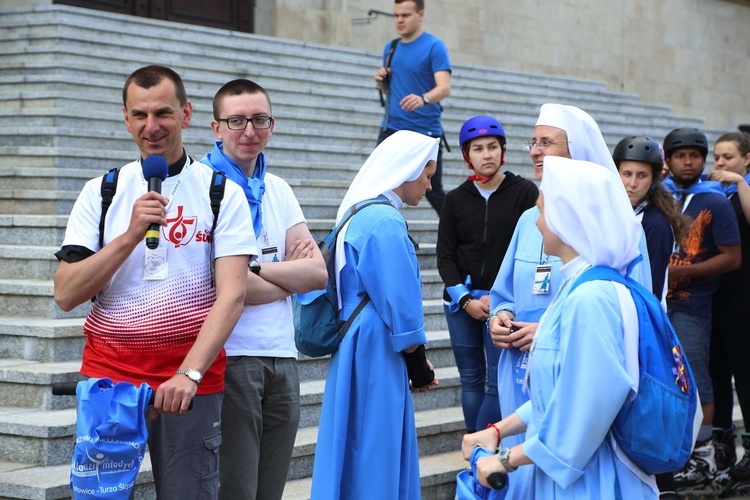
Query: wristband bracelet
(466, 303)
(497, 429)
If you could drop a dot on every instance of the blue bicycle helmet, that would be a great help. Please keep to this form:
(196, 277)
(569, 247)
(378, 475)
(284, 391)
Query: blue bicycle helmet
(480, 126)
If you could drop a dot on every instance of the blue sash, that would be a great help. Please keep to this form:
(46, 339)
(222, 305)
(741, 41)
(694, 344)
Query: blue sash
(698, 188)
(254, 187)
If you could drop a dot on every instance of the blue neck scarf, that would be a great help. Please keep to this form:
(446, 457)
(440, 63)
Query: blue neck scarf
(732, 188)
(697, 188)
(254, 186)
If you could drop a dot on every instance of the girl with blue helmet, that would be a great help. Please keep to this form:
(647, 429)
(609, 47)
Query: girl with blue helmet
(476, 226)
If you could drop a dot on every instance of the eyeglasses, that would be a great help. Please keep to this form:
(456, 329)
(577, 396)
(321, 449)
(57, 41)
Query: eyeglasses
(543, 144)
(240, 122)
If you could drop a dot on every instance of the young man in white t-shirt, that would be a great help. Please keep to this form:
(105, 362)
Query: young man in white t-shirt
(158, 317)
(260, 413)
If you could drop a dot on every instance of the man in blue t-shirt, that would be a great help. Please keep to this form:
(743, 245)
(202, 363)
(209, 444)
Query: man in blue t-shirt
(711, 248)
(415, 79)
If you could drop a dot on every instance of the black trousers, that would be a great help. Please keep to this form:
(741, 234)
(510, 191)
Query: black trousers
(730, 348)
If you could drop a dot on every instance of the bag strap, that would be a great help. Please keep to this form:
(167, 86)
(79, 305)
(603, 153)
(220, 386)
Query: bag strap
(348, 323)
(216, 194)
(599, 273)
(108, 189)
(385, 101)
(352, 211)
(386, 81)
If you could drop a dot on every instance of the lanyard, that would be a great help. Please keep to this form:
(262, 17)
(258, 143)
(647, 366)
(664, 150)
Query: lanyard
(542, 254)
(186, 170)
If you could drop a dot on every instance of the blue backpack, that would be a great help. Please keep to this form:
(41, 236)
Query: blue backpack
(655, 429)
(317, 329)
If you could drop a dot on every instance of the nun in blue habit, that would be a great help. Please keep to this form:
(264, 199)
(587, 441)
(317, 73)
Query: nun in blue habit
(583, 363)
(367, 440)
(520, 295)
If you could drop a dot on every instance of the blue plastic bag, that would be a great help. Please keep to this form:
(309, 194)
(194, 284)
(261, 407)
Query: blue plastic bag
(467, 486)
(111, 438)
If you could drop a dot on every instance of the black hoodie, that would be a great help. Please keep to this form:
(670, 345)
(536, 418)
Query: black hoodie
(474, 233)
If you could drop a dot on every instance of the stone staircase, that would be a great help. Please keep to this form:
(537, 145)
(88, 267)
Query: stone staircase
(61, 73)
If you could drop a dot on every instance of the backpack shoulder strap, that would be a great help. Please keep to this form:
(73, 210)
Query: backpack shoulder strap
(391, 50)
(384, 87)
(599, 273)
(353, 210)
(216, 193)
(108, 189)
(356, 208)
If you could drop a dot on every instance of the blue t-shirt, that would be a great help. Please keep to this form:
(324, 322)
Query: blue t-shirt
(660, 243)
(413, 67)
(714, 224)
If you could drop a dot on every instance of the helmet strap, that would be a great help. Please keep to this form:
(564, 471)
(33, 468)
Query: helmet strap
(476, 177)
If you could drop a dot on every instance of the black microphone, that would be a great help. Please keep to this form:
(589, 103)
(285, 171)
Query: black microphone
(155, 170)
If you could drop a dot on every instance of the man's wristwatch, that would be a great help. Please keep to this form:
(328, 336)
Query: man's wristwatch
(504, 457)
(254, 266)
(425, 99)
(192, 374)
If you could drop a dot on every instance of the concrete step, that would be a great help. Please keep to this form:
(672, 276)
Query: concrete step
(34, 298)
(439, 351)
(438, 431)
(41, 339)
(306, 62)
(45, 437)
(445, 395)
(27, 262)
(28, 384)
(37, 437)
(46, 230)
(37, 352)
(20, 481)
(437, 475)
(422, 230)
(316, 108)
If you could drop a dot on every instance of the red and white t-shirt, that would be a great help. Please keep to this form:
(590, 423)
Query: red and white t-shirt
(140, 330)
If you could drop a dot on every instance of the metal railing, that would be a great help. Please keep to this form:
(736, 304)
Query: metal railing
(372, 14)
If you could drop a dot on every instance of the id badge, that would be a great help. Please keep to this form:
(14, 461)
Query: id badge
(269, 254)
(155, 265)
(542, 279)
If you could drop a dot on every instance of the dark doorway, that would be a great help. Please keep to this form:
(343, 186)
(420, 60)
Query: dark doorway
(234, 15)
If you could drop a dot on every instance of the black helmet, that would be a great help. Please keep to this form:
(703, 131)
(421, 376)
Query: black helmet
(686, 137)
(638, 148)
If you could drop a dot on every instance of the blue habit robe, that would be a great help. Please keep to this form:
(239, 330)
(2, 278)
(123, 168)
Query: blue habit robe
(367, 441)
(577, 385)
(512, 291)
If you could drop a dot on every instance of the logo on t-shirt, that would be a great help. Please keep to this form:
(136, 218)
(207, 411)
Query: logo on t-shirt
(180, 228)
(692, 251)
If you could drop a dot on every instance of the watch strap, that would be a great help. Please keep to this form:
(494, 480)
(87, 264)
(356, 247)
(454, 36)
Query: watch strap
(504, 457)
(186, 372)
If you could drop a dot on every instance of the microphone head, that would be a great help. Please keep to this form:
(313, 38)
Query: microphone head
(155, 166)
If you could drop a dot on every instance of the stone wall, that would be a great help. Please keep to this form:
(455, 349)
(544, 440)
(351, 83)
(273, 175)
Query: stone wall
(693, 55)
